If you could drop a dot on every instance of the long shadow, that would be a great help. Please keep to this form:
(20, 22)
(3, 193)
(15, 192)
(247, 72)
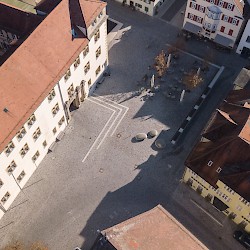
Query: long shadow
(150, 187)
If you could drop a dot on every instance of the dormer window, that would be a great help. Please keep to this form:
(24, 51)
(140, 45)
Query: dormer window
(218, 170)
(210, 163)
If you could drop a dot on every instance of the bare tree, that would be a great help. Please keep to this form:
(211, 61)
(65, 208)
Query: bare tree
(160, 64)
(192, 80)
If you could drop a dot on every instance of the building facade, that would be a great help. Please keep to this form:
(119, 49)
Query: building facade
(149, 7)
(216, 20)
(244, 44)
(218, 167)
(36, 107)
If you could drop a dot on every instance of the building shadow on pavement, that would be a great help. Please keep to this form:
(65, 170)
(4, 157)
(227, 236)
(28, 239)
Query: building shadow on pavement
(149, 188)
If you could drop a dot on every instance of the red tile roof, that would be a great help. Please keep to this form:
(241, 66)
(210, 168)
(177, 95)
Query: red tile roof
(35, 67)
(155, 229)
(227, 147)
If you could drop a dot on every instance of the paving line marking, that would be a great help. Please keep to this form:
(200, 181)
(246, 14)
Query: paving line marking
(98, 137)
(109, 129)
(101, 104)
(118, 105)
(119, 122)
(111, 101)
(120, 111)
(211, 216)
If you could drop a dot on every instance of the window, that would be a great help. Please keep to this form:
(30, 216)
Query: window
(55, 109)
(225, 18)
(86, 67)
(199, 19)
(222, 29)
(77, 62)
(67, 75)
(5, 197)
(146, 9)
(220, 4)
(139, 5)
(98, 52)
(191, 16)
(70, 90)
(61, 121)
(202, 9)
(97, 70)
(51, 95)
(10, 169)
(234, 21)
(36, 134)
(210, 163)
(248, 39)
(218, 170)
(230, 6)
(21, 134)
(1, 183)
(31, 120)
(89, 82)
(54, 130)
(94, 22)
(24, 150)
(100, 14)
(97, 36)
(20, 177)
(45, 144)
(230, 32)
(9, 148)
(192, 5)
(85, 51)
(35, 156)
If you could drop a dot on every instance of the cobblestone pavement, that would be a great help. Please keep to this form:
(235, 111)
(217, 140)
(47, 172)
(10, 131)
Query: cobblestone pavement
(98, 175)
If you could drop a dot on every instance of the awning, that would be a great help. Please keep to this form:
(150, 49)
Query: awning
(224, 41)
(191, 28)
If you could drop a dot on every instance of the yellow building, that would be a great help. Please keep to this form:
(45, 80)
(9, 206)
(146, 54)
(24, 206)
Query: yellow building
(218, 167)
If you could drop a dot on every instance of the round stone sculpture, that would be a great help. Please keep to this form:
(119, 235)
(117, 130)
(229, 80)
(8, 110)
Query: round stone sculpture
(153, 133)
(140, 136)
(160, 143)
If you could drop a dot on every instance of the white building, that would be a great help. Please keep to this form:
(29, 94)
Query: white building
(244, 44)
(149, 7)
(53, 69)
(217, 20)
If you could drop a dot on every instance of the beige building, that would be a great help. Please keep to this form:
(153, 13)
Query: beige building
(149, 7)
(218, 167)
(216, 20)
(51, 72)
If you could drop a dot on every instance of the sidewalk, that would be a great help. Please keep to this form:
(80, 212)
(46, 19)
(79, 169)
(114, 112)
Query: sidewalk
(207, 216)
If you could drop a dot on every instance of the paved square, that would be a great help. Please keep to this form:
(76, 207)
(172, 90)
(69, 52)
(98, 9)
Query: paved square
(98, 175)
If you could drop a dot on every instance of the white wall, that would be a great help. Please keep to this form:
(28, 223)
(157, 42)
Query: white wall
(141, 4)
(243, 41)
(46, 121)
(227, 25)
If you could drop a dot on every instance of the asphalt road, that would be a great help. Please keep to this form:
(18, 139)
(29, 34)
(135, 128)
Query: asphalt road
(98, 175)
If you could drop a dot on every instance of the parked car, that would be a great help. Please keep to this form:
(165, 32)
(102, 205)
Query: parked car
(243, 238)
